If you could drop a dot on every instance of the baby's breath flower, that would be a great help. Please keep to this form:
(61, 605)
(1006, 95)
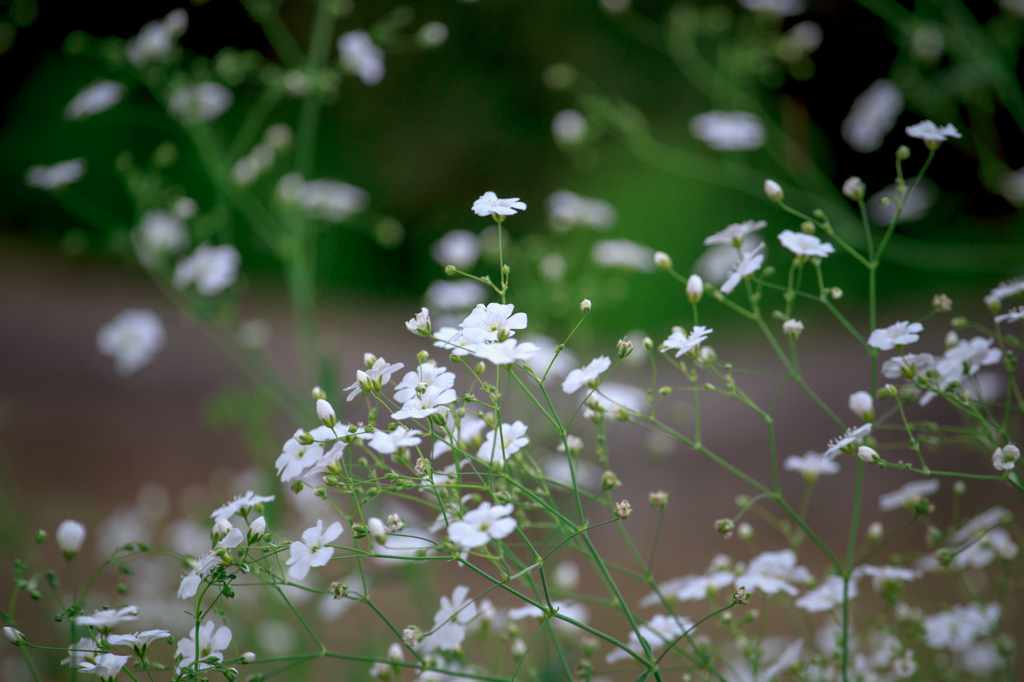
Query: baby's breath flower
(773, 191)
(70, 538)
(683, 343)
(658, 499)
(932, 134)
(854, 188)
(623, 509)
(863, 405)
(663, 260)
(749, 263)
(94, 99)
(806, 245)
(1005, 458)
(132, 339)
(868, 455)
(725, 527)
(872, 116)
(942, 303)
(490, 205)
(793, 327)
(694, 288)
(585, 305)
(586, 376)
(569, 127)
(736, 233)
(729, 130)
(609, 480)
(360, 56)
(56, 176)
(896, 334)
(15, 637)
(568, 209)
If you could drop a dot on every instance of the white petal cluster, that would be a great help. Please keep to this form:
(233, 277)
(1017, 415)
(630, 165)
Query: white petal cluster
(749, 263)
(736, 233)
(200, 103)
(93, 99)
(772, 572)
(681, 342)
(211, 643)
(479, 526)
(158, 235)
(805, 244)
(623, 253)
(332, 201)
(156, 40)
(872, 116)
(928, 131)
(56, 176)
(729, 131)
(568, 209)
(497, 448)
(212, 269)
(909, 494)
(132, 338)
(489, 204)
(586, 376)
(313, 550)
(896, 334)
(460, 248)
(361, 56)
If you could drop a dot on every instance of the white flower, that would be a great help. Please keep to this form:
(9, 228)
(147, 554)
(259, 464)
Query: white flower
(156, 39)
(332, 201)
(623, 253)
(105, 619)
(460, 248)
(422, 378)
(211, 268)
(295, 458)
(749, 263)
(854, 188)
(958, 628)
(729, 130)
(897, 334)
(586, 376)
(157, 234)
(84, 650)
(104, 666)
(1005, 457)
(1004, 290)
(862, 404)
(191, 581)
(694, 288)
(312, 551)
(132, 339)
(782, 8)
(14, 636)
(432, 34)
(362, 57)
(848, 438)
(658, 632)
(909, 494)
(773, 191)
(432, 401)
(908, 365)
(568, 209)
(70, 537)
(240, 505)
(827, 596)
(811, 465)
(872, 116)
(735, 233)
(56, 176)
(695, 587)
(453, 341)
(490, 204)
(683, 343)
(792, 327)
(619, 399)
(450, 622)
(983, 658)
(201, 103)
(373, 379)
(928, 131)
(881, 576)
(513, 439)
(964, 360)
(569, 127)
(805, 244)
(495, 322)
(211, 642)
(420, 323)
(772, 572)
(506, 352)
(138, 640)
(390, 442)
(481, 525)
(982, 551)
(1014, 315)
(458, 295)
(94, 99)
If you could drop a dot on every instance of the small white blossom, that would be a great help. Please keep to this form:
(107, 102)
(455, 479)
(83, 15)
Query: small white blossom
(156, 39)
(481, 525)
(460, 248)
(56, 176)
(568, 209)
(70, 537)
(458, 295)
(735, 233)
(390, 442)
(212, 269)
(811, 465)
(201, 103)
(312, 551)
(362, 57)
(793, 327)
(908, 365)
(862, 404)
(296, 457)
(1005, 458)
(729, 130)
(1014, 315)
(569, 127)
(805, 244)
(695, 587)
(432, 401)
(490, 204)
(240, 505)
(493, 322)
(94, 99)
(105, 620)
(850, 437)
(586, 376)
(827, 596)
(132, 339)
(958, 628)
(332, 201)
(623, 253)
(506, 352)
(420, 323)
(104, 666)
(450, 622)
(896, 334)
(424, 377)
(909, 494)
(211, 642)
(882, 576)
(157, 234)
(373, 379)
(683, 343)
(749, 263)
(772, 572)
(928, 131)
(872, 116)
(513, 439)
(658, 632)
(773, 191)
(138, 640)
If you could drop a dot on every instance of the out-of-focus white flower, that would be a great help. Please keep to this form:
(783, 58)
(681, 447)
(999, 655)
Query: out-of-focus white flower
(623, 253)
(958, 628)
(658, 632)
(805, 244)
(457, 295)
(615, 6)
(156, 39)
(827, 596)
(749, 263)
(94, 99)
(793, 327)
(567, 576)
(450, 622)
(1014, 315)
(909, 494)
(695, 587)
(85, 650)
(362, 57)
(872, 116)
(679, 341)
(1012, 187)
(552, 267)
(983, 658)
(390, 442)
(132, 339)
(432, 401)
(211, 642)
(586, 376)
(330, 200)
(716, 263)
(772, 572)
(915, 206)
(569, 127)
(201, 102)
(850, 437)
(513, 439)
(212, 269)
(782, 8)
(1005, 458)
(489, 204)
(568, 209)
(248, 168)
(811, 465)
(424, 377)
(897, 334)
(862, 404)
(56, 176)
(138, 640)
(312, 551)
(481, 525)
(105, 620)
(729, 130)
(70, 537)
(619, 399)
(420, 323)
(104, 666)
(240, 505)
(157, 234)
(929, 132)
(736, 233)
(432, 34)
(801, 40)
(883, 576)
(908, 365)
(460, 248)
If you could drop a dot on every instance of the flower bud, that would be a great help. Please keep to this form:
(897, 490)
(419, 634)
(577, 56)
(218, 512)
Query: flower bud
(412, 635)
(396, 654)
(248, 657)
(854, 188)
(609, 480)
(745, 531)
(220, 530)
(740, 596)
(959, 322)
(318, 393)
(648, 343)
(305, 438)
(994, 303)
(863, 405)
(257, 529)
(14, 636)
(959, 488)
(585, 305)
(70, 538)
(773, 191)
(375, 528)
(868, 454)
(663, 260)
(807, 227)
(903, 152)
(875, 531)
(624, 347)
(942, 303)
(325, 412)
(694, 288)
(368, 360)
(622, 509)
(395, 523)
(725, 527)
(1005, 457)
(836, 293)
(951, 339)
(519, 647)
(658, 499)
(480, 367)
(40, 536)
